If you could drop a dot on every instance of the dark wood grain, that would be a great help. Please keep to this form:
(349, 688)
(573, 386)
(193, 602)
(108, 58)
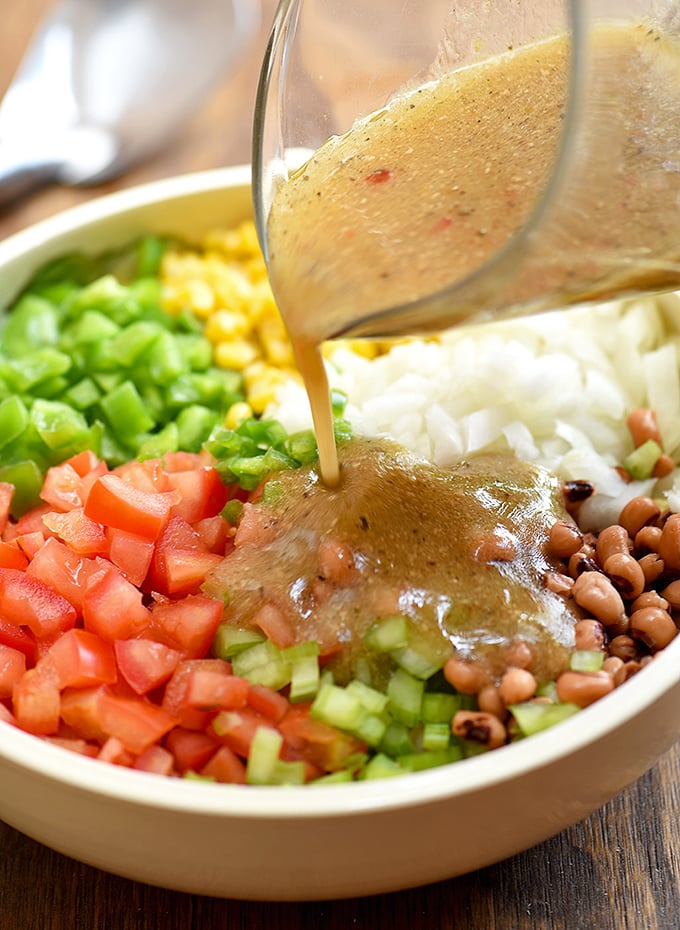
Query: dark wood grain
(618, 870)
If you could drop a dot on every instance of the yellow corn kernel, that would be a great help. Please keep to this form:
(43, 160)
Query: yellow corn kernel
(237, 413)
(223, 325)
(261, 388)
(235, 354)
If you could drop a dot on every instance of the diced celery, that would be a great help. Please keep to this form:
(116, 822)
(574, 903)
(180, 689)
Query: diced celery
(532, 717)
(337, 707)
(586, 660)
(338, 402)
(381, 766)
(414, 662)
(640, 463)
(405, 697)
(439, 708)
(262, 664)
(396, 740)
(388, 635)
(229, 641)
(264, 765)
(548, 689)
(436, 736)
(371, 729)
(304, 678)
(308, 649)
(418, 761)
(373, 700)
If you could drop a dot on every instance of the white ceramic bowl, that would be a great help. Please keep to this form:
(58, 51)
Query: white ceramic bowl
(321, 842)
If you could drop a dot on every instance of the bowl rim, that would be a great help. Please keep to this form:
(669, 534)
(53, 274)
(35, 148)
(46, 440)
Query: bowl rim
(444, 783)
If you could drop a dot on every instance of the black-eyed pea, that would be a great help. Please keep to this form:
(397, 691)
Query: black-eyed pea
(643, 425)
(516, 686)
(627, 671)
(623, 647)
(564, 539)
(595, 593)
(653, 626)
(612, 664)
(669, 543)
(489, 701)
(671, 593)
(612, 539)
(638, 513)
(463, 675)
(589, 635)
(519, 654)
(652, 566)
(559, 583)
(583, 688)
(581, 562)
(664, 466)
(649, 599)
(626, 574)
(647, 539)
(479, 727)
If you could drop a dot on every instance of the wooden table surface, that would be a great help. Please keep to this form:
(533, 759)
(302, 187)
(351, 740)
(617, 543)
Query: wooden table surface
(618, 869)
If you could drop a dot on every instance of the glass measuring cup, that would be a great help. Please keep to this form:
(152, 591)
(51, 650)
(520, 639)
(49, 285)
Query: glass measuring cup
(597, 216)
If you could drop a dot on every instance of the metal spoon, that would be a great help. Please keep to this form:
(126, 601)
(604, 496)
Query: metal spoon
(105, 82)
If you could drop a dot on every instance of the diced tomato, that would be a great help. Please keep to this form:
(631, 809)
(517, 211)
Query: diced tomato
(149, 475)
(131, 553)
(225, 767)
(62, 569)
(12, 668)
(271, 704)
(6, 495)
(155, 759)
(236, 729)
(11, 556)
(178, 534)
(188, 624)
(80, 710)
(185, 569)
(312, 770)
(144, 663)
(117, 503)
(191, 750)
(275, 625)
(62, 488)
(30, 543)
(82, 659)
(79, 532)
(113, 608)
(317, 741)
(18, 638)
(27, 601)
(202, 491)
(114, 751)
(74, 744)
(207, 690)
(216, 534)
(30, 522)
(136, 722)
(175, 695)
(36, 702)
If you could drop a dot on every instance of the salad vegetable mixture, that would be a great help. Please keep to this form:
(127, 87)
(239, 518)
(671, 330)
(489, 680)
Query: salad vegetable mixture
(134, 460)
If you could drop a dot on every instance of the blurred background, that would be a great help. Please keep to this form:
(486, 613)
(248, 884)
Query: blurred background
(216, 131)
